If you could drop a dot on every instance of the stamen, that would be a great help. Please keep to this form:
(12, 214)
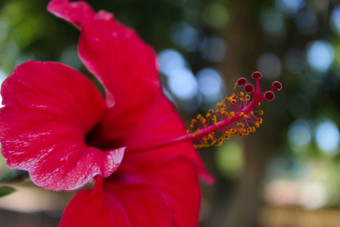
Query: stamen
(236, 115)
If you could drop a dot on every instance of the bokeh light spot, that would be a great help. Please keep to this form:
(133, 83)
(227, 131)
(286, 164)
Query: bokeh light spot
(183, 84)
(306, 22)
(313, 195)
(327, 137)
(215, 15)
(272, 22)
(213, 49)
(290, 6)
(70, 57)
(185, 36)
(2, 78)
(210, 84)
(320, 55)
(299, 135)
(170, 60)
(335, 19)
(269, 64)
(229, 159)
(4, 31)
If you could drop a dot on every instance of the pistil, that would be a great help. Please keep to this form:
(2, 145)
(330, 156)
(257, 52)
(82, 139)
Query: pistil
(236, 115)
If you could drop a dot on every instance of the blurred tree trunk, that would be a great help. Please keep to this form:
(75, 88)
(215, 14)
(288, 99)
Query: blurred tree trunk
(244, 42)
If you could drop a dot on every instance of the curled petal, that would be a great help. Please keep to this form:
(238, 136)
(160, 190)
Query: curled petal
(132, 74)
(73, 12)
(48, 110)
(120, 60)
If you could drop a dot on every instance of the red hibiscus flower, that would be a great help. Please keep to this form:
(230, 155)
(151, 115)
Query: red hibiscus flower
(58, 126)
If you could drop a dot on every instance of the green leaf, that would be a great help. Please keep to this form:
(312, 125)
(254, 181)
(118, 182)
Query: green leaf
(14, 175)
(5, 190)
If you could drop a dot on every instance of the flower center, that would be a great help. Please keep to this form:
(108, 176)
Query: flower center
(234, 116)
(92, 139)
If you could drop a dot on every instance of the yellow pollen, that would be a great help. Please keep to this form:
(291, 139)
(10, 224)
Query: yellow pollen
(235, 85)
(240, 124)
(219, 105)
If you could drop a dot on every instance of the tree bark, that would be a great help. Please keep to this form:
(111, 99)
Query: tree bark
(240, 207)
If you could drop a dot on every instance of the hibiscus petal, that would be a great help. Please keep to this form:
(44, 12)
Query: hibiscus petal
(117, 204)
(49, 108)
(76, 11)
(167, 196)
(120, 60)
(141, 115)
(177, 181)
(115, 54)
